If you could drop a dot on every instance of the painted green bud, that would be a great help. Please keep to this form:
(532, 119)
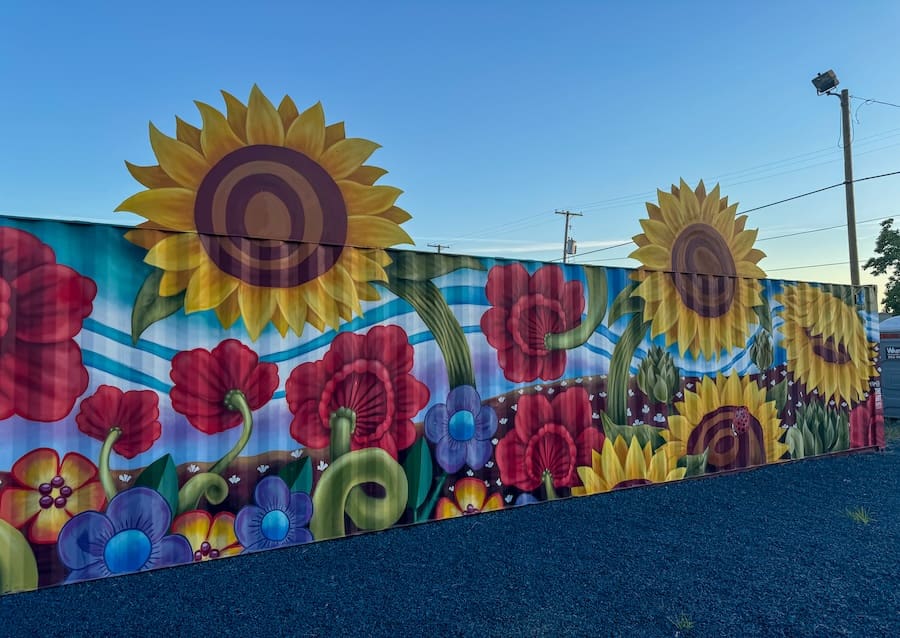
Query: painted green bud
(657, 375)
(761, 351)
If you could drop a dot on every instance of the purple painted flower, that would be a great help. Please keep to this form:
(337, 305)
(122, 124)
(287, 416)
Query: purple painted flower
(129, 537)
(461, 429)
(278, 519)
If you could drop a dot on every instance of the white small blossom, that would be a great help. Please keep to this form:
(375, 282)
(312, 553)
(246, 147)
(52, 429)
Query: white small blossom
(470, 473)
(234, 479)
(297, 453)
(451, 488)
(689, 385)
(603, 395)
(538, 388)
(125, 478)
(590, 397)
(515, 408)
(262, 469)
(630, 392)
(487, 483)
(645, 409)
(784, 373)
(563, 383)
(521, 390)
(679, 394)
(550, 390)
(628, 412)
(595, 415)
(578, 380)
(508, 498)
(322, 465)
(495, 441)
(504, 421)
(498, 482)
(489, 464)
(501, 399)
(659, 418)
(193, 468)
(638, 422)
(772, 383)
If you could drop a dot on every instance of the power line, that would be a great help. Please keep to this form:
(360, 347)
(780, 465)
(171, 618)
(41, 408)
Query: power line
(833, 263)
(871, 101)
(818, 190)
(818, 230)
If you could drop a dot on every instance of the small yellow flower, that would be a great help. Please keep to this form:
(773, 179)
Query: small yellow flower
(623, 464)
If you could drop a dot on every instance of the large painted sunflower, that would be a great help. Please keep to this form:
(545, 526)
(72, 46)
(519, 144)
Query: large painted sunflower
(688, 237)
(276, 217)
(731, 416)
(826, 343)
(623, 464)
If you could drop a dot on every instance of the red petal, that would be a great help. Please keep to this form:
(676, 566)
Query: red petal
(51, 303)
(572, 409)
(411, 395)
(510, 455)
(98, 413)
(518, 366)
(572, 300)
(390, 346)
(260, 385)
(494, 327)
(505, 284)
(199, 374)
(553, 365)
(404, 432)
(306, 427)
(21, 252)
(46, 379)
(235, 363)
(305, 382)
(547, 281)
(346, 348)
(590, 439)
(533, 412)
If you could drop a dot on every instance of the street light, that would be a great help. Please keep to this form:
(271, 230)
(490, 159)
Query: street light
(825, 84)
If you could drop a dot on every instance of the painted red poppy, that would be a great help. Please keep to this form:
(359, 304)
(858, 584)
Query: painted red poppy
(42, 307)
(135, 413)
(551, 437)
(203, 379)
(867, 424)
(368, 374)
(527, 308)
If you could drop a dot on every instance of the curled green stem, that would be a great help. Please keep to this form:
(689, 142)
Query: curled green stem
(339, 491)
(18, 567)
(236, 401)
(342, 423)
(207, 484)
(597, 302)
(106, 479)
(548, 486)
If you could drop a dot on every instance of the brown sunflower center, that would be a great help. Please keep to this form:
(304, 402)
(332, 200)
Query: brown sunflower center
(271, 216)
(698, 252)
(829, 350)
(734, 438)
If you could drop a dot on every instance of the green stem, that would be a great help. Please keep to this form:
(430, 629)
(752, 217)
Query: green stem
(106, 479)
(236, 401)
(18, 567)
(597, 302)
(428, 302)
(425, 511)
(548, 486)
(619, 368)
(207, 484)
(339, 491)
(342, 423)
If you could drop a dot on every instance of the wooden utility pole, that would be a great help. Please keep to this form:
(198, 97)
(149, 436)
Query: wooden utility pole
(439, 247)
(566, 235)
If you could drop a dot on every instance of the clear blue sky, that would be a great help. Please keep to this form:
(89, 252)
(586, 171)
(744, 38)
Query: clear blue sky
(491, 114)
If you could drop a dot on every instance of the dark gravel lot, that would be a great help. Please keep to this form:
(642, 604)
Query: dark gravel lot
(771, 552)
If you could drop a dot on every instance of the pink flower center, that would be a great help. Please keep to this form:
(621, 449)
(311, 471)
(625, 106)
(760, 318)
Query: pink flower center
(205, 552)
(531, 318)
(552, 449)
(471, 509)
(54, 494)
(365, 387)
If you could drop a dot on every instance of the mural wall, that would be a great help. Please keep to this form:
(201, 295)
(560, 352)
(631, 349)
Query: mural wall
(255, 367)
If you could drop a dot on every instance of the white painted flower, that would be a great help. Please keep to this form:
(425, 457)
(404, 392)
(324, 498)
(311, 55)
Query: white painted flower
(489, 464)
(495, 441)
(515, 408)
(498, 482)
(645, 409)
(638, 422)
(470, 473)
(451, 488)
(125, 478)
(659, 418)
(193, 468)
(487, 483)
(508, 498)
(297, 453)
(603, 395)
(234, 479)
(630, 392)
(550, 390)
(502, 399)
(595, 415)
(563, 383)
(578, 380)
(322, 465)
(628, 411)
(262, 469)
(503, 421)
(521, 390)
(538, 388)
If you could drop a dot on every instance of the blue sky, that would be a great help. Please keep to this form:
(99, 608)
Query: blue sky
(491, 114)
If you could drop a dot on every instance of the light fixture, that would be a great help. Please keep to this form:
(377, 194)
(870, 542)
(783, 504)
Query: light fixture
(825, 82)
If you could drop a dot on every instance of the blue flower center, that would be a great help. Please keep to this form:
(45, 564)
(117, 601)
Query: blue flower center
(275, 525)
(462, 425)
(127, 551)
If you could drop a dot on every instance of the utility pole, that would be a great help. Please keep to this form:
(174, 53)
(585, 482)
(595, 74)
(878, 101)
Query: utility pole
(566, 236)
(848, 188)
(439, 247)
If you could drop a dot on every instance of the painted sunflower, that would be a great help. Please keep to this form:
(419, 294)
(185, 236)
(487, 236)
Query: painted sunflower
(826, 343)
(623, 464)
(688, 237)
(275, 216)
(730, 416)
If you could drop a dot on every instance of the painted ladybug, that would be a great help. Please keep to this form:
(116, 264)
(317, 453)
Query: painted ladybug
(741, 421)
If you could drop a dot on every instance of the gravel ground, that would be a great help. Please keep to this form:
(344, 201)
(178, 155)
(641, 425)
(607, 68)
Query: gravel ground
(771, 552)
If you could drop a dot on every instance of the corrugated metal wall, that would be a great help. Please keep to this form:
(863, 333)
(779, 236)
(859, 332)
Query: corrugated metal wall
(168, 398)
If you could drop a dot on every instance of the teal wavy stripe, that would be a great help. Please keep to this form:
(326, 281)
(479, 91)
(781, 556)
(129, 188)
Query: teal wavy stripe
(120, 370)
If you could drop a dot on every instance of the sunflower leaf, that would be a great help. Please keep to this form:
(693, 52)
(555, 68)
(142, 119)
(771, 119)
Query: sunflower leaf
(419, 472)
(424, 266)
(161, 476)
(298, 475)
(695, 463)
(644, 433)
(150, 307)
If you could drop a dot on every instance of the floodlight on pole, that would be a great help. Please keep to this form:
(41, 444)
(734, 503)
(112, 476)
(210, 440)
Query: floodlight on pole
(825, 83)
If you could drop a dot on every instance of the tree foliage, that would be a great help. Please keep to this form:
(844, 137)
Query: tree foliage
(887, 262)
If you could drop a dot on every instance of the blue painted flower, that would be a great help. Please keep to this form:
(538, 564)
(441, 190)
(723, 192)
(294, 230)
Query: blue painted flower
(129, 537)
(461, 429)
(278, 519)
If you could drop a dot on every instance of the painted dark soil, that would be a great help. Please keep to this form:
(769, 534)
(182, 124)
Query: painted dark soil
(770, 552)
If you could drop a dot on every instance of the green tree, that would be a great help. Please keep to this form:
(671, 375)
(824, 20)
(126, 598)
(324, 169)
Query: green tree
(887, 261)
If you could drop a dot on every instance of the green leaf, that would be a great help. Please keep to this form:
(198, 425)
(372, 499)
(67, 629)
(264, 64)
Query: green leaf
(162, 477)
(644, 433)
(695, 463)
(298, 475)
(794, 440)
(625, 304)
(425, 266)
(779, 395)
(619, 367)
(419, 473)
(150, 307)
(843, 436)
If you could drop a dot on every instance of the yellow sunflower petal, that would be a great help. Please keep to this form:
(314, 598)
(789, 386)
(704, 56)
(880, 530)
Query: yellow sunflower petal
(168, 207)
(334, 133)
(150, 176)
(179, 160)
(307, 133)
(174, 282)
(182, 251)
(375, 232)
(257, 307)
(653, 256)
(613, 472)
(592, 484)
(187, 133)
(367, 175)
(347, 155)
(208, 287)
(340, 285)
(293, 306)
(321, 308)
(366, 200)
(228, 311)
(635, 465)
(217, 137)
(658, 232)
(146, 236)
(280, 323)
(288, 112)
(236, 114)
(360, 267)
(658, 467)
(263, 121)
(396, 215)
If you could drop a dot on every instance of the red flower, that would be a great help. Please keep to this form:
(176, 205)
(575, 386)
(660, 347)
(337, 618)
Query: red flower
(368, 374)
(204, 378)
(526, 308)
(47, 492)
(554, 437)
(867, 424)
(42, 307)
(135, 413)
